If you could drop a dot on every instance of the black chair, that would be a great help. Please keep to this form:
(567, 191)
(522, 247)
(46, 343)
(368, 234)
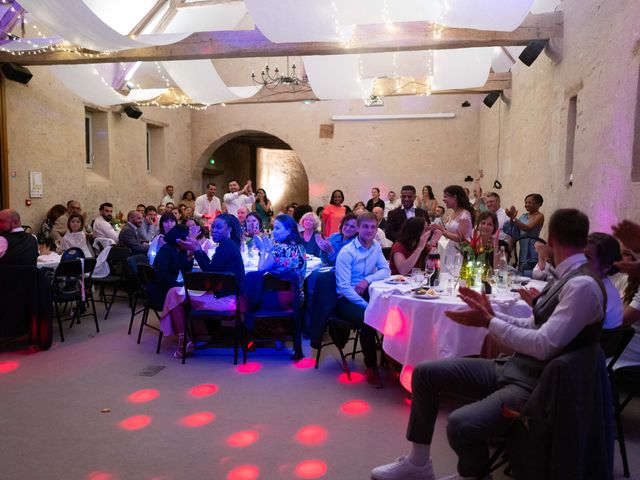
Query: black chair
(613, 342)
(117, 278)
(145, 275)
(71, 286)
(71, 254)
(136, 290)
(273, 287)
(627, 380)
(386, 251)
(218, 284)
(526, 264)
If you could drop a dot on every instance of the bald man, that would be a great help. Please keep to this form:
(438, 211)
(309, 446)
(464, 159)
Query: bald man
(17, 247)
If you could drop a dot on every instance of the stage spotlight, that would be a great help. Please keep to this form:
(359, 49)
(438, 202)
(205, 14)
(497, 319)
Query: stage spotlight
(532, 51)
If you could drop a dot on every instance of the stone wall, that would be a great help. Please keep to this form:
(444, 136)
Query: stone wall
(45, 133)
(600, 64)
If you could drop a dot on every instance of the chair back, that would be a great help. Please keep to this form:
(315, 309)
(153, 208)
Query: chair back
(386, 251)
(522, 264)
(136, 260)
(89, 266)
(67, 278)
(100, 243)
(146, 274)
(221, 284)
(117, 259)
(71, 254)
(613, 342)
(275, 284)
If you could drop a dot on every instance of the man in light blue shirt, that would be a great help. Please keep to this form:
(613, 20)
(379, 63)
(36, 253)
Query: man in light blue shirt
(358, 264)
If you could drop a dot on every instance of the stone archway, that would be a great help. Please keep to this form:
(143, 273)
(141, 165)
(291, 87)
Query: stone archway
(264, 158)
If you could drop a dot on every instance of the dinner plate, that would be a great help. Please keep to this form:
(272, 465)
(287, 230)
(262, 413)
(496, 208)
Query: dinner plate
(397, 280)
(424, 296)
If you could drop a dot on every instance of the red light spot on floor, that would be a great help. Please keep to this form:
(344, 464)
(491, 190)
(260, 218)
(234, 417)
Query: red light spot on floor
(355, 377)
(136, 422)
(354, 407)
(305, 363)
(199, 419)
(311, 435)
(8, 366)
(244, 472)
(405, 377)
(144, 396)
(204, 390)
(249, 367)
(242, 439)
(394, 323)
(101, 476)
(310, 469)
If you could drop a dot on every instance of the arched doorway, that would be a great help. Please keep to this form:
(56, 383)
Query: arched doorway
(268, 161)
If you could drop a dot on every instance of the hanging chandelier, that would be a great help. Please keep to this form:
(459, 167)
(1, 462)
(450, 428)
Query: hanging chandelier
(272, 79)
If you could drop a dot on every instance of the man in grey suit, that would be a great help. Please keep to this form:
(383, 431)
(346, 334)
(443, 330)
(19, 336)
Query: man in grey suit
(128, 236)
(567, 315)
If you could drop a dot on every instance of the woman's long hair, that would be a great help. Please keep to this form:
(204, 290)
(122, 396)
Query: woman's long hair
(429, 192)
(291, 225)
(485, 215)
(333, 195)
(266, 199)
(234, 225)
(462, 200)
(55, 212)
(410, 233)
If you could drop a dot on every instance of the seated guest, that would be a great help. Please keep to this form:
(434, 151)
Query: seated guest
(60, 226)
(485, 232)
(330, 247)
(75, 236)
(411, 248)
(310, 224)
(360, 263)
(492, 201)
(171, 263)
(253, 224)
(189, 199)
(141, 208)
(182, 208)
(570, 313)
(391, 204)
(407, 210)
(149, 228)
(285, 258)
(167, 222)
(225, 230)
(168, 197)
(378, 212)
(46, 229)
(129, 234)
(359, 208)
(197, 231)
(17, 247)
(375, 200)
(161, 209)
(527, 224)
(177, 214)
(439, 217)
(242, 213)
(102, 227)
(299, 211)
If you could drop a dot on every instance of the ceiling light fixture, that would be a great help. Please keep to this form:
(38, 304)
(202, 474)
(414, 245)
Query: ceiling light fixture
(272, 79)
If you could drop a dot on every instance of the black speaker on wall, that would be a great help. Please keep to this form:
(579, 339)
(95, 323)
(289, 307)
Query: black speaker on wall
(17, 73)
(491, 98)
(132, 111)
(532, 51)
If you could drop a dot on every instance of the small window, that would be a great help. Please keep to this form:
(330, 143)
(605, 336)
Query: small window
(88, 141)
(572, 125)
(155, 148)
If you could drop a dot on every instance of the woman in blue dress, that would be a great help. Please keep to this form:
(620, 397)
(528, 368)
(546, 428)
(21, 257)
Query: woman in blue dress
(526, 225)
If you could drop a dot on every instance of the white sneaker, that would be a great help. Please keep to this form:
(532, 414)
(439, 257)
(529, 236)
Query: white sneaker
(403, 469)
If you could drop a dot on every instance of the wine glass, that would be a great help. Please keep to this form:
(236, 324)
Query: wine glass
(416, 277)
(429, 270)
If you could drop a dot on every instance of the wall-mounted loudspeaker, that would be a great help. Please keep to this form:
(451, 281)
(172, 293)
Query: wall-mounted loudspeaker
(491, 98)
(17, 73)
(132, 111)
(532, 51)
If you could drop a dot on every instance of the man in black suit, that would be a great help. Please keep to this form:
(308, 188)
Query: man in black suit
(128, 236)
(17, 247)
(406, 210)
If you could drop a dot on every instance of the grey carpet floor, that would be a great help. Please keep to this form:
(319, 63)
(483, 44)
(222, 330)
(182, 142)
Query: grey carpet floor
(69, 414)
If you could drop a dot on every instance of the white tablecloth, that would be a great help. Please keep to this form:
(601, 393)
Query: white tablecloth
(417, 329)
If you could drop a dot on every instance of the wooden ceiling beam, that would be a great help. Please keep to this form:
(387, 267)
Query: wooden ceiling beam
(367, 39)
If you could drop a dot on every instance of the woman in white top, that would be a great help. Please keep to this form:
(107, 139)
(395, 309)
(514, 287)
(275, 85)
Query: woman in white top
(75, 237)
(460, 225)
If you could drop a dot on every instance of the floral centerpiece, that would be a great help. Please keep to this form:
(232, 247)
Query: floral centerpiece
(476, 259)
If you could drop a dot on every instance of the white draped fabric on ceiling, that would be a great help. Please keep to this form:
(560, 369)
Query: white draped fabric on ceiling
(101, 26)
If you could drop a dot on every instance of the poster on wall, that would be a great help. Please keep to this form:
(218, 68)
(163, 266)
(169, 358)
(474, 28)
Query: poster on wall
(36, 186)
